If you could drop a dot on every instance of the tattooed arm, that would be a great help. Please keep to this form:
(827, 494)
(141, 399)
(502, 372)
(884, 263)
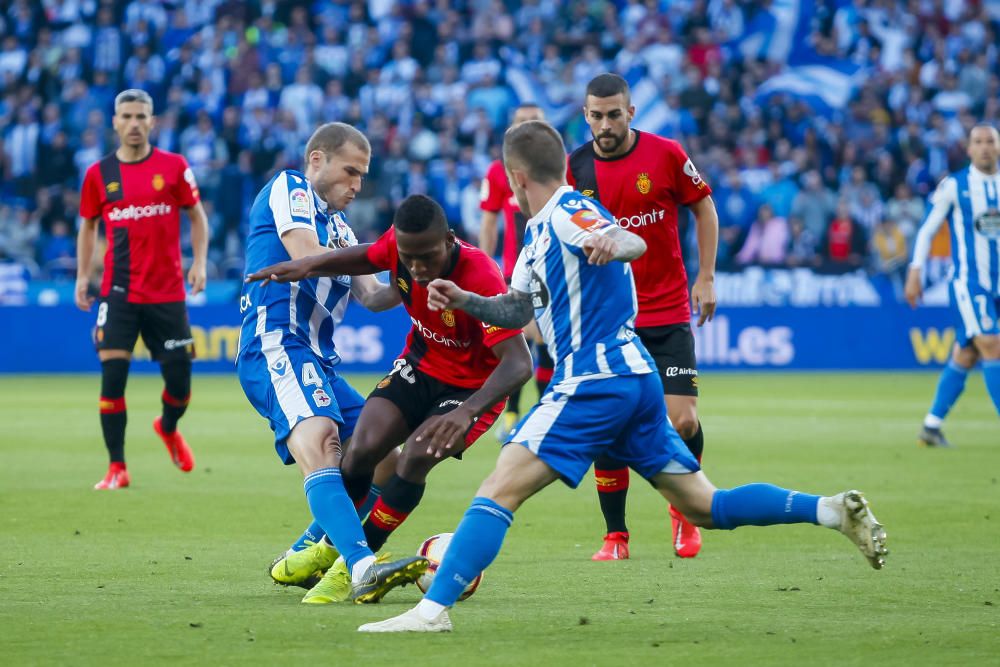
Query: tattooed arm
(512, 310)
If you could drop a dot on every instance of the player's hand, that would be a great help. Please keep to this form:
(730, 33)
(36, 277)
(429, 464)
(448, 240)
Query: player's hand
(914, 288)
(283, 272)
(445, 295)
(197, 277)
(444, 435)
(82, 295)
(599, 249)
(703, 299)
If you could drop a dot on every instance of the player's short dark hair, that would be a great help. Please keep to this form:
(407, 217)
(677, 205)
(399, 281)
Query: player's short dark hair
(418, 213)
(537, 148)
(608, 84)
(133, 95)
(331, 137)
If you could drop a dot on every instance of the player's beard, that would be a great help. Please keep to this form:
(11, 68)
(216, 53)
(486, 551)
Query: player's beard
(616, 142)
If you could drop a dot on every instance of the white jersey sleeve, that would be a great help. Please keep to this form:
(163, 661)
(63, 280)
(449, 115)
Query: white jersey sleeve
(520, 279)
(574, 228)
(944, 199)
(291, 203)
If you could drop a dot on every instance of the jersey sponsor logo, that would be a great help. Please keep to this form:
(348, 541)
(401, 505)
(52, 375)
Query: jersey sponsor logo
(385, 382)
(674, 371)
(692, 172)
(403, 285)
(448, 317)
(484, 190)
(138, 212)
(173, 344)
(588, 220)
(641, 219)
(298, 202)
(280, 367)
(988, 224)
(587, 193)
(451, 402)
(539, 292)
(491, 328)
(321, 398)
(113, 187)
(643, 183)
(432, 335)
(385, 518)
(158, 182)
(190, 179)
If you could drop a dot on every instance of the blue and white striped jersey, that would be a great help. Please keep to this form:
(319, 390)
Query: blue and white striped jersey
(969, 200)
(586, 313)
(307, 310)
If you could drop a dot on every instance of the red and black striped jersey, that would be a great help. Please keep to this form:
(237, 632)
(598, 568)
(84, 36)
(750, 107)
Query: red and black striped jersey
(140, 204)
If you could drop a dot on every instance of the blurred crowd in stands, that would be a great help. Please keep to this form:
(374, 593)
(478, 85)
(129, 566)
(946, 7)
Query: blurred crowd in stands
(239, 86)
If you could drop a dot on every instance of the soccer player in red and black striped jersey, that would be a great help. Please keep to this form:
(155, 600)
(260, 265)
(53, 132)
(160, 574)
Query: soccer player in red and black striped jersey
(450, 382)
(495, 198)
(643, 179)
(138, 192)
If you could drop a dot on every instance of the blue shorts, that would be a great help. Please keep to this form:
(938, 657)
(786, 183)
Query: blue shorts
(287, 383)
(975, 311)
(579, 419)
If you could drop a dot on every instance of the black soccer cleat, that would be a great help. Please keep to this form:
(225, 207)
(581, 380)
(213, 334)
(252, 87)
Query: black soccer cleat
(933, 437)
(380, 578)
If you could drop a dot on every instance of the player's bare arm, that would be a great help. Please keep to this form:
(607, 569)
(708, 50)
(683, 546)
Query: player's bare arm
(512, 310)
(488, 233)
(199, 246)
(614, 245)
(914, 288)
(707, 226)
(445, 434)
(86, 242)
(374, 295)
(351, 261)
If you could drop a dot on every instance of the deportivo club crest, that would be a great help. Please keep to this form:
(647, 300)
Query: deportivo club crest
(448, 317)
(643, 184)
(158, 182)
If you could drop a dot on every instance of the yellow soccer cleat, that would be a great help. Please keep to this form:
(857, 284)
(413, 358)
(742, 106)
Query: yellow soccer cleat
(335, 586)
(303, 568)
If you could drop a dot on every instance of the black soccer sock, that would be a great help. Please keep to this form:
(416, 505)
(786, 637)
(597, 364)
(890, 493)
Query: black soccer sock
(543, 373)
(696, 443)
(399, 498)
(176, 392)
(514, 403)
(612, 490)
(114, 375)
(357, 487)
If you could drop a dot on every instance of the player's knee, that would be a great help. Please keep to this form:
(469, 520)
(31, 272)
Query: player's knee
(966, 357)
(988, 346)
(361, 458)
(414, 464)
(686, 424)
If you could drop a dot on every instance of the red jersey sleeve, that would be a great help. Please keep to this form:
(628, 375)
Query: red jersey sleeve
(689, 187)
(382, 253)
(493, 192)
(90, 195)
(486, 280)
(186, 190)
(569, 173)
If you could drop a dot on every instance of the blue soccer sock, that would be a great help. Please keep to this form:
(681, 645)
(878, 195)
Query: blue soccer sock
(335, 513)
(314, 533)
(476, 543)
(991, 375)
(761, 505)
(950, 386)
(374, 493)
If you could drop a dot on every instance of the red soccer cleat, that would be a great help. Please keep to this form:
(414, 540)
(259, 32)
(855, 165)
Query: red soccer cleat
(117, 478)
(615, 547)
(180, 453)
(687, 537)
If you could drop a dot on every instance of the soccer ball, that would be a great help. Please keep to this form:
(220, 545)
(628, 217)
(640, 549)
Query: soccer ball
(433, 549)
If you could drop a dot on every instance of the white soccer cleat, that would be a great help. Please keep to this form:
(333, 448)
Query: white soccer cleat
(410, 621)
(861, 527)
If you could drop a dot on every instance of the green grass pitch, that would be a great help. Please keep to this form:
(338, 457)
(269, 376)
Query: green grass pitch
(172, 570)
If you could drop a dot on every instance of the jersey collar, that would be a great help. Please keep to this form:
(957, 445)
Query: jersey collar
(553, 201)
(983, 174)
(635, 144)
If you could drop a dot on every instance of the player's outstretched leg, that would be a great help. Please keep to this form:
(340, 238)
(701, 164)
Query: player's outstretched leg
(950, 386)
(175, 398)
(991, 375)
(766, 505)
(612, 491)
(114, 376)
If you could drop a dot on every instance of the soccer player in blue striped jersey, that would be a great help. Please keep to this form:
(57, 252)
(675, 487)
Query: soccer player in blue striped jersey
(287, 356)
(573, 277)
(969, 200)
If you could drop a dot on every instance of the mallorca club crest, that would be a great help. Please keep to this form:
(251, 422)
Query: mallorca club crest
(158, 182)
(643, 184)
(448, 317)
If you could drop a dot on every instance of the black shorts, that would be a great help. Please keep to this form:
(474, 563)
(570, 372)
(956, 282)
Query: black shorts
(164, 327)
(672, 348)
(419, 396)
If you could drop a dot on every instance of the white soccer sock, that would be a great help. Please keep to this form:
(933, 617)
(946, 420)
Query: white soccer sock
(429, 610)
(359, 569)
(932, 421)
(828, 512)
